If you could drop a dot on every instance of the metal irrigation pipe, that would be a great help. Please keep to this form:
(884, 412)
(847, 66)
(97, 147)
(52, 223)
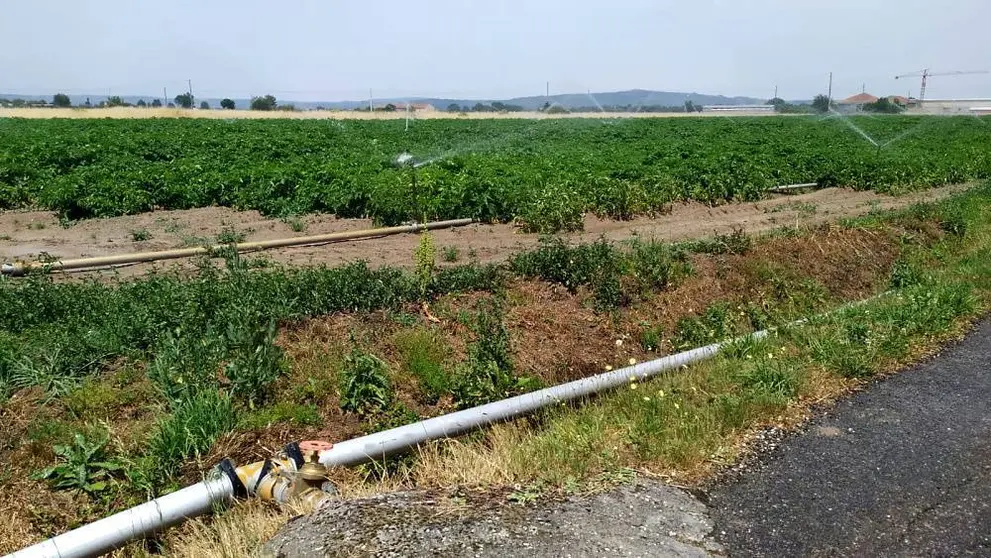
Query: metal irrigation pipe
(20, 268)
(268, 479)
(113, 532)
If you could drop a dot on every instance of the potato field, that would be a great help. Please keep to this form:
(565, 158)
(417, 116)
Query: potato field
(544, 174)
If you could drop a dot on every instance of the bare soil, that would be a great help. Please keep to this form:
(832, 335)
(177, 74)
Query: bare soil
(26, 235)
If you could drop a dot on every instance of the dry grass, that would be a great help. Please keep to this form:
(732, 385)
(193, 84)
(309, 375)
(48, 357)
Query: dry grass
(239, 532)
(135, 112)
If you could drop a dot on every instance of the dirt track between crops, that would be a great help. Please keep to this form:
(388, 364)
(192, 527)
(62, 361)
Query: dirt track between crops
(26, 235)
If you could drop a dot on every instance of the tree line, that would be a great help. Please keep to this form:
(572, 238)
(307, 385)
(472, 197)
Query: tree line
(183, 100)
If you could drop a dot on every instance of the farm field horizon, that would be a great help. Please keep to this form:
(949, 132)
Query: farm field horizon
(543, 174)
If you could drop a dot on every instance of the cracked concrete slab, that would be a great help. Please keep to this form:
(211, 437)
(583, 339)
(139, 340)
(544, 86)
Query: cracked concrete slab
(643, 519)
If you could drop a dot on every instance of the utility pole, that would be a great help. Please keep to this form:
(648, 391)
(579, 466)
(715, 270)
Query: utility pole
(547, 92)
(190, 90)
(830, 95)
(165, 94)
(775, 92)
(370, 109)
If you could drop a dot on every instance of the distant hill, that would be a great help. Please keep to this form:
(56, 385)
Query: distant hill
(632, 98)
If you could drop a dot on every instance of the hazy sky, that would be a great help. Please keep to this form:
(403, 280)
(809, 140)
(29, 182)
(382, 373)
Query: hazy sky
(335, 50)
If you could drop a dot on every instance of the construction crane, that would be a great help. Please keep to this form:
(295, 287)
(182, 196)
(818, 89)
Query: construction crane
(926, 74)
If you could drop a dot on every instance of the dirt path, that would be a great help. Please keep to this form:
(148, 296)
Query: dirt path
(25, 235)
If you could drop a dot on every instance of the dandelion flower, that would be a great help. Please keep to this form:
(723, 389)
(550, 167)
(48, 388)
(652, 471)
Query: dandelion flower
(633, 361)
(619, 342)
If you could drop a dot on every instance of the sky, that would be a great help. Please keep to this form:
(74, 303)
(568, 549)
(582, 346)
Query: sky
(327, 50)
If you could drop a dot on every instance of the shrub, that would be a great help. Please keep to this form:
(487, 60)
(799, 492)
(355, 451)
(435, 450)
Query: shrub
(656, 265)
(185, 364)
(488, 373)
(255, 361)
(556, 262)
(715, 324)
(738, 242)
(425, 259)
(450, 254)
(365, 385)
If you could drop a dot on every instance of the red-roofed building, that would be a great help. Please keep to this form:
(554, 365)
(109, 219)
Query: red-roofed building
(858, 99)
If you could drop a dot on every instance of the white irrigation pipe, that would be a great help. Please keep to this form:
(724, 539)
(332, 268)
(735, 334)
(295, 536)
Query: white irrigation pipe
(113, 532)
(150, 517)
(790, 187)
(116, 530)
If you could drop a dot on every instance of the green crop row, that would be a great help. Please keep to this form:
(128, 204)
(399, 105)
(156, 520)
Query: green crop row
(545, 174)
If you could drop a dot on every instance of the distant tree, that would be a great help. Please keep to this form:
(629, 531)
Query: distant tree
(17, 103)
(557, 109)
(171, 105)
(453, 107)
(389, 108)
(103, 104)
(141, 103)
(267, 102)
(777, 101)
(204, 106)
(61, 100)
(88, 103)
(882, 105)
(184, 100)
(689, 106)
(115, 101)
(227, 104)
(820, 103)
(547, 105)
(698, 108)
(156, 103)
(286, 108)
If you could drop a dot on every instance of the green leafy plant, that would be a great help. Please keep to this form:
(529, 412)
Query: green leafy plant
(83, 465)
(230, 235)
(365, 386)
(255, 361)
(450, 254)
(425, 258)
(140, 235)
(488, 373)
(715, 324)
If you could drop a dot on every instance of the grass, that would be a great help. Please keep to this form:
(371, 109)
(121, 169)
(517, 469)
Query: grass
(230, 336)
(685, 425)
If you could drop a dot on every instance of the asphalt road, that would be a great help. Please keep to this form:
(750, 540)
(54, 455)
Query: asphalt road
(900, 469)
